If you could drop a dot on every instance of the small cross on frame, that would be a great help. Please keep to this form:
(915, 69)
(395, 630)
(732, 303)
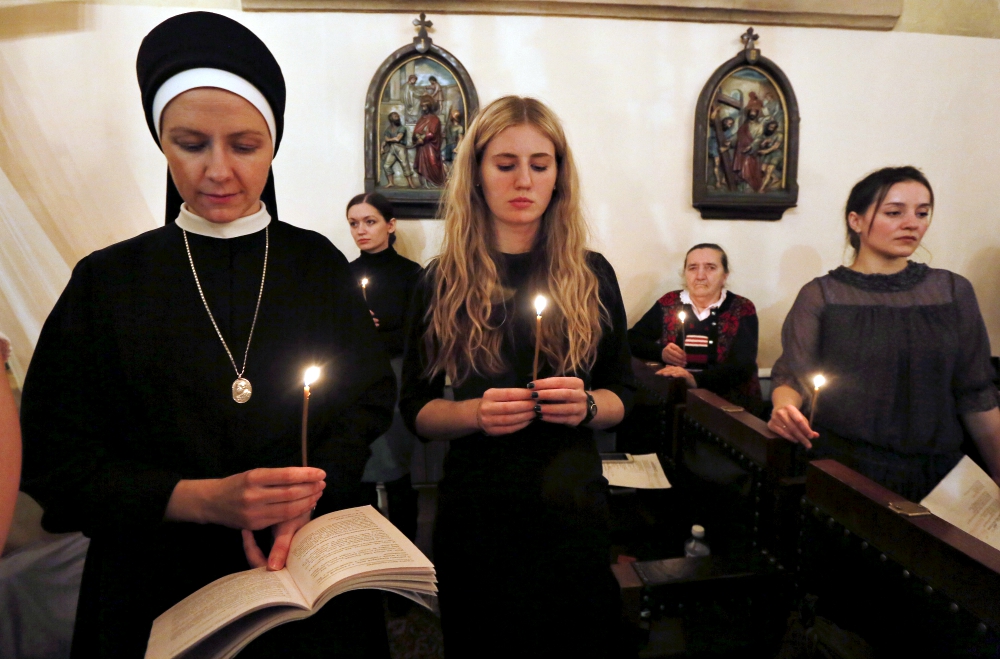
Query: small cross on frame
(422, 40)
(749, 39)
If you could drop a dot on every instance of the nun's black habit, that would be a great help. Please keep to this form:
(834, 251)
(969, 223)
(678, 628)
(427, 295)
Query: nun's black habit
(129, 392)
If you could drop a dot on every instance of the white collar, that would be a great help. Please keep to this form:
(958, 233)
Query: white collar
(686, 299)
(243, 226)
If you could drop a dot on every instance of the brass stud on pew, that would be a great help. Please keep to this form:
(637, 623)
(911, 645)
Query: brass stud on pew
(953, 607)
(846, 532)
(883, 558)
(981, 628)
(928, 589)
(864, 545)
(906, 574)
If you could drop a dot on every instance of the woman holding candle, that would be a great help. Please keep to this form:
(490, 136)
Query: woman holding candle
(135, 430)
(902, 347)
(521, 542)
(391, 280)
(704, 333)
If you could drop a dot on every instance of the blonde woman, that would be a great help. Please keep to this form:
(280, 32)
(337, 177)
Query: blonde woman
(521, 540)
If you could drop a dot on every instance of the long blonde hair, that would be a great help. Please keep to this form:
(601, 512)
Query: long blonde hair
(462, 336)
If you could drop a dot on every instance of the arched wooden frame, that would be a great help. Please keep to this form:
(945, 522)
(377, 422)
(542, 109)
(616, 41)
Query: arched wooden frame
(410, 203)
(734, 200)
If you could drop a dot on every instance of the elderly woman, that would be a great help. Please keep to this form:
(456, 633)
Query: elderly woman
(903, 348)
(704, 333)
(521, 542)
(162, 408)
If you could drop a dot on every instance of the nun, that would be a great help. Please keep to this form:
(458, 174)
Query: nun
(162, 410)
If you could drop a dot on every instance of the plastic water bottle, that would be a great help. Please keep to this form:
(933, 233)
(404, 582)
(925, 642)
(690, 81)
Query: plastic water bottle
(695, 546)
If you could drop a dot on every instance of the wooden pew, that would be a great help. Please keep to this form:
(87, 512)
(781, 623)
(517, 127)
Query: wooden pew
(906, 584)
(742, 474)
(650, 426)
(741, 593)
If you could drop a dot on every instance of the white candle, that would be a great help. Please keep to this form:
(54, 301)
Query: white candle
(312, 374)
(818, 382)
(540, 303)
(364, 289)
(682, 316)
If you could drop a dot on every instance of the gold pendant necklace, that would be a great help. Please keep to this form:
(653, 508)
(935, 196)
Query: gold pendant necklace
(241, 386)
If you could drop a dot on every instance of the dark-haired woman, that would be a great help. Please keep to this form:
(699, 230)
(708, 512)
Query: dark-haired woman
(521, 542)
(390, 280)
(902, 346)
(162, 410)
(719, 331)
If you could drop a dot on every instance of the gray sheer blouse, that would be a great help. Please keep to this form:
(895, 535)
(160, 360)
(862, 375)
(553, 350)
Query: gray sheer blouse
(904, 355)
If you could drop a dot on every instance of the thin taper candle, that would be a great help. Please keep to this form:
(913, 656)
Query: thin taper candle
(312, 374)
(364, 289)
(539, 308)
(818, 382)
(682, 316)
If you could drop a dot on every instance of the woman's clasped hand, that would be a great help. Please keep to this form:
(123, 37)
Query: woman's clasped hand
(553, 400)
(281, 499)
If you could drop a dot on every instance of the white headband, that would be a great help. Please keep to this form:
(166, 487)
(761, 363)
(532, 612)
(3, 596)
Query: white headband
(194, 78)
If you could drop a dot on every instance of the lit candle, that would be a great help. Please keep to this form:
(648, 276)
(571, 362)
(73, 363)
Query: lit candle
(682, 316)
(312, 374)
(539, 308)
(818, 382)
(364, 289)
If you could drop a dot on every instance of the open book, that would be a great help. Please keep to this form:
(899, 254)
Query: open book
(342, 551)
(969, 499)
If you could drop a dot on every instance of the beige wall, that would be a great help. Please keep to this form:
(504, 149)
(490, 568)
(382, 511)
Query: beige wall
(970, 18)
(75, 149)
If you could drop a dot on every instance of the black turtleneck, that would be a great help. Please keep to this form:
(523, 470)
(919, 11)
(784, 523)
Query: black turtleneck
(391, 280)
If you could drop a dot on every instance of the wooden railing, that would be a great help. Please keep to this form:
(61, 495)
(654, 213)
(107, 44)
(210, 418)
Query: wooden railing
(747, 438)
(934, 586)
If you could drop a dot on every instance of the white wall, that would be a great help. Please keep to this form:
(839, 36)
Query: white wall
(626, 91)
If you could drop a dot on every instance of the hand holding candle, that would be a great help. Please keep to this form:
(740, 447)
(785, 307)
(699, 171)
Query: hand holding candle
(818, 382)
(312, 374)
(540, 303)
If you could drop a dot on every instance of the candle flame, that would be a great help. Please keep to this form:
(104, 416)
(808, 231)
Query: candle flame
(312, 374)
(540, 303)
(364, 282)
(819, 381)
(683, 316)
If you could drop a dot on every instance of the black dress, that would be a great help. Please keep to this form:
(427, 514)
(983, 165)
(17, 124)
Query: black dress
(904, 355)
(521, 542)
(129, 392)
(391, 281)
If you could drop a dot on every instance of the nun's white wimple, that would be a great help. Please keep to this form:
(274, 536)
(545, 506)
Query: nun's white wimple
(194, 78)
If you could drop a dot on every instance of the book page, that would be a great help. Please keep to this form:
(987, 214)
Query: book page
(642, 471)
(346, 543)
(217, 604)
(969, 499)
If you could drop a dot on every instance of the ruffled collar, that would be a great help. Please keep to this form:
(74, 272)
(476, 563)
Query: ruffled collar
(243, 226)
(707, 311)
(904, 280)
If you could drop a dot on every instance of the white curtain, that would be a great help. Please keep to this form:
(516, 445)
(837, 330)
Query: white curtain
(32, 275)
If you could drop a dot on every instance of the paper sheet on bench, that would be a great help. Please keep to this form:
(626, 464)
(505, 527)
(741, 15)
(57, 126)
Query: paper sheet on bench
(644, 472)
(969, 499)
